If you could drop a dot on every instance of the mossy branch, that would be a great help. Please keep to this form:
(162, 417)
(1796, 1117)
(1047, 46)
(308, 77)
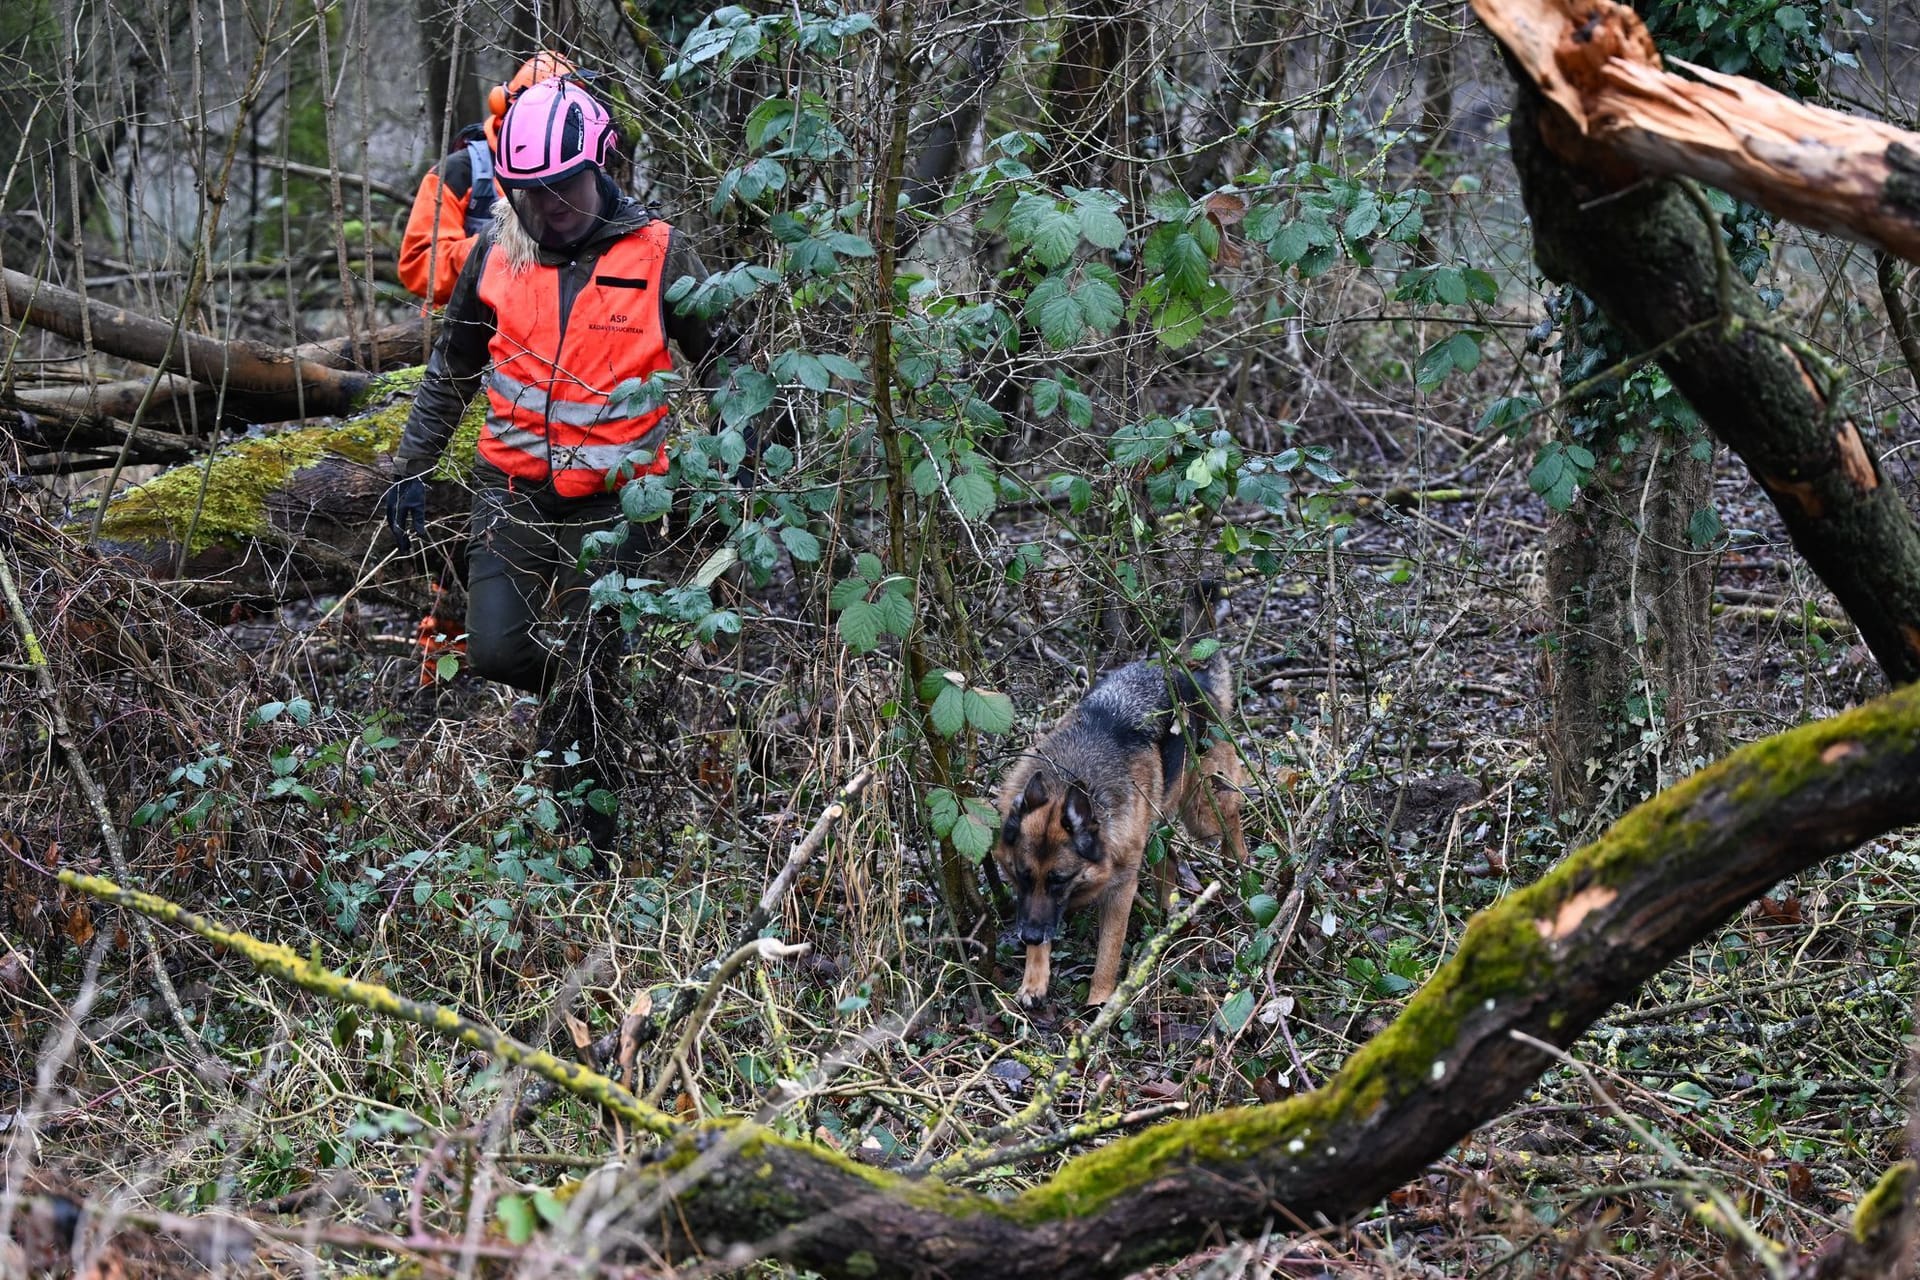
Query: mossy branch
(309, 974)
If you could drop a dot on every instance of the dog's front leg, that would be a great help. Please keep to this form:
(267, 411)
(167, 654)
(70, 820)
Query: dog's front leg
(1115, 907)
(1033, 985)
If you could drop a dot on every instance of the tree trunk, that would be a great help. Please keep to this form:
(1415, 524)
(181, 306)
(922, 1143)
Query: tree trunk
(940, 146)
(289, 515)
(1632, 660)
(1090, 88)
(183, 407)
(1648, 257)
(453, 88)
(1545, 963)
(1615, 114)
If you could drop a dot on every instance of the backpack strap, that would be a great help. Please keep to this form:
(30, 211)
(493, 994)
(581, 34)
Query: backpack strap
(480, 195)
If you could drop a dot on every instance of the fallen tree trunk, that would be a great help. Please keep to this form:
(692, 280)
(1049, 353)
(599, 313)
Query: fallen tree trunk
(1650, 258)
(1617, 115)
(237, 364)
(288, 514)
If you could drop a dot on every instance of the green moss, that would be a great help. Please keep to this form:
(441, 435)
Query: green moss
(1881, 1206)
(248, 471)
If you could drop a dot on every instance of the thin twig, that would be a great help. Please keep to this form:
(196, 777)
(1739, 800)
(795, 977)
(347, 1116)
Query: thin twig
(1048, 1090)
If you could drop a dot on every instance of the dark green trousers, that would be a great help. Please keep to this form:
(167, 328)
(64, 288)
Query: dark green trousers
(523, 551)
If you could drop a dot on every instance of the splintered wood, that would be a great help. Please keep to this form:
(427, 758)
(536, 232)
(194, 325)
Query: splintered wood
(1622, 116)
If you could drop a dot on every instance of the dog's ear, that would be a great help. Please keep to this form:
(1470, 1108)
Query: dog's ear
(1076, 814)
(1033, 797)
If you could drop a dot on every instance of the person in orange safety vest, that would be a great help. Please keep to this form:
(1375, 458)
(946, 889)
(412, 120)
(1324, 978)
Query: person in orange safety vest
(559, 312)
(455, 201)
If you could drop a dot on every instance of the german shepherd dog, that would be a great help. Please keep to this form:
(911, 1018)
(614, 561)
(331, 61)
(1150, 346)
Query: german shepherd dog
(1075, 813)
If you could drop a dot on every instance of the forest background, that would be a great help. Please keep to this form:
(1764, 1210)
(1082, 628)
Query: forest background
(1241, 294)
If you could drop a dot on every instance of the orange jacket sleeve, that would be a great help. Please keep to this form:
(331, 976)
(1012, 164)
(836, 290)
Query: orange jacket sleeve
(438, 217)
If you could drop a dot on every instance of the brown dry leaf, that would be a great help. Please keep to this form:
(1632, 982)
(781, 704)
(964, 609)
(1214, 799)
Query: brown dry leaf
(582, 1037)
(1781, 911)
(1799, 1181)
(1226, 208)
(79, 925)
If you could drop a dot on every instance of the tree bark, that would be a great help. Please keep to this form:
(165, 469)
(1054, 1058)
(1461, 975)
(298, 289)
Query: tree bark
(1617, 115)
(1647, 256)
(1088, 92)
(1632, 605)
(239, 364)
(1546, 961)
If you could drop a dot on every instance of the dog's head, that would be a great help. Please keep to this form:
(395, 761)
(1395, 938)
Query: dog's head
(1050, 852)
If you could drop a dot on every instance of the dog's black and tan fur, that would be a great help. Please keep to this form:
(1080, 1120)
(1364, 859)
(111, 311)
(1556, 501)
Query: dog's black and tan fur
(1077, 811)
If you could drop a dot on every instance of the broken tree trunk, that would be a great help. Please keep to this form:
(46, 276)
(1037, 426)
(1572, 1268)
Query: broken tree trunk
(1616, 114)
(1653, 261)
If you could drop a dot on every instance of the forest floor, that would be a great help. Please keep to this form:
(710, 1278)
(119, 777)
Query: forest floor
(298, 781)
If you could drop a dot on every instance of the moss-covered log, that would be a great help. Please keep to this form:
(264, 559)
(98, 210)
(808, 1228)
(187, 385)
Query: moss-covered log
(290, 513)
(1649, 257)
(1615, 111)
(1546, 961)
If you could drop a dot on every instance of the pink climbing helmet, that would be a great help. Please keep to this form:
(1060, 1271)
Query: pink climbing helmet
(552, 131)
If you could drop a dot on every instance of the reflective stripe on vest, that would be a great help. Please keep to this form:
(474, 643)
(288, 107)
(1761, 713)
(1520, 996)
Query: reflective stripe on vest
(560, 390)
(480, 194)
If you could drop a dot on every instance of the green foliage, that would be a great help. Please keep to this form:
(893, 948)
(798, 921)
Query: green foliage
(872, 603)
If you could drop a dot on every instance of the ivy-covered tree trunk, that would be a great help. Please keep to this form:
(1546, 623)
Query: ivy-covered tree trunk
(1630, 658)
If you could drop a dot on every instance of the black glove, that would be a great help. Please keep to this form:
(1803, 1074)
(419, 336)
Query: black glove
(405, 504)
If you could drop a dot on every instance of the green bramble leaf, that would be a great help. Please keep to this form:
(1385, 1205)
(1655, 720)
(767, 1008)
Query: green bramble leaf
(987, 711)
(860, 625)
(948, 712)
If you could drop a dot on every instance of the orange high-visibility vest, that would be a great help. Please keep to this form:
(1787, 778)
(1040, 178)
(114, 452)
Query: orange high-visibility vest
(561, 386)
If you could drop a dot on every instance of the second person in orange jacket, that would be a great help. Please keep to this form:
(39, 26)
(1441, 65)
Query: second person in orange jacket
(451, 208)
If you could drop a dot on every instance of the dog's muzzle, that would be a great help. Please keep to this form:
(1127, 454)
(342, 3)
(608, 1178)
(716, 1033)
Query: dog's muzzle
(1036, 934)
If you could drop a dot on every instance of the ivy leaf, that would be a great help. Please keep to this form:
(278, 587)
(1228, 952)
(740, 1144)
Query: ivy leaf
(987, 711)
(1263, 907)
(1235, 1012)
